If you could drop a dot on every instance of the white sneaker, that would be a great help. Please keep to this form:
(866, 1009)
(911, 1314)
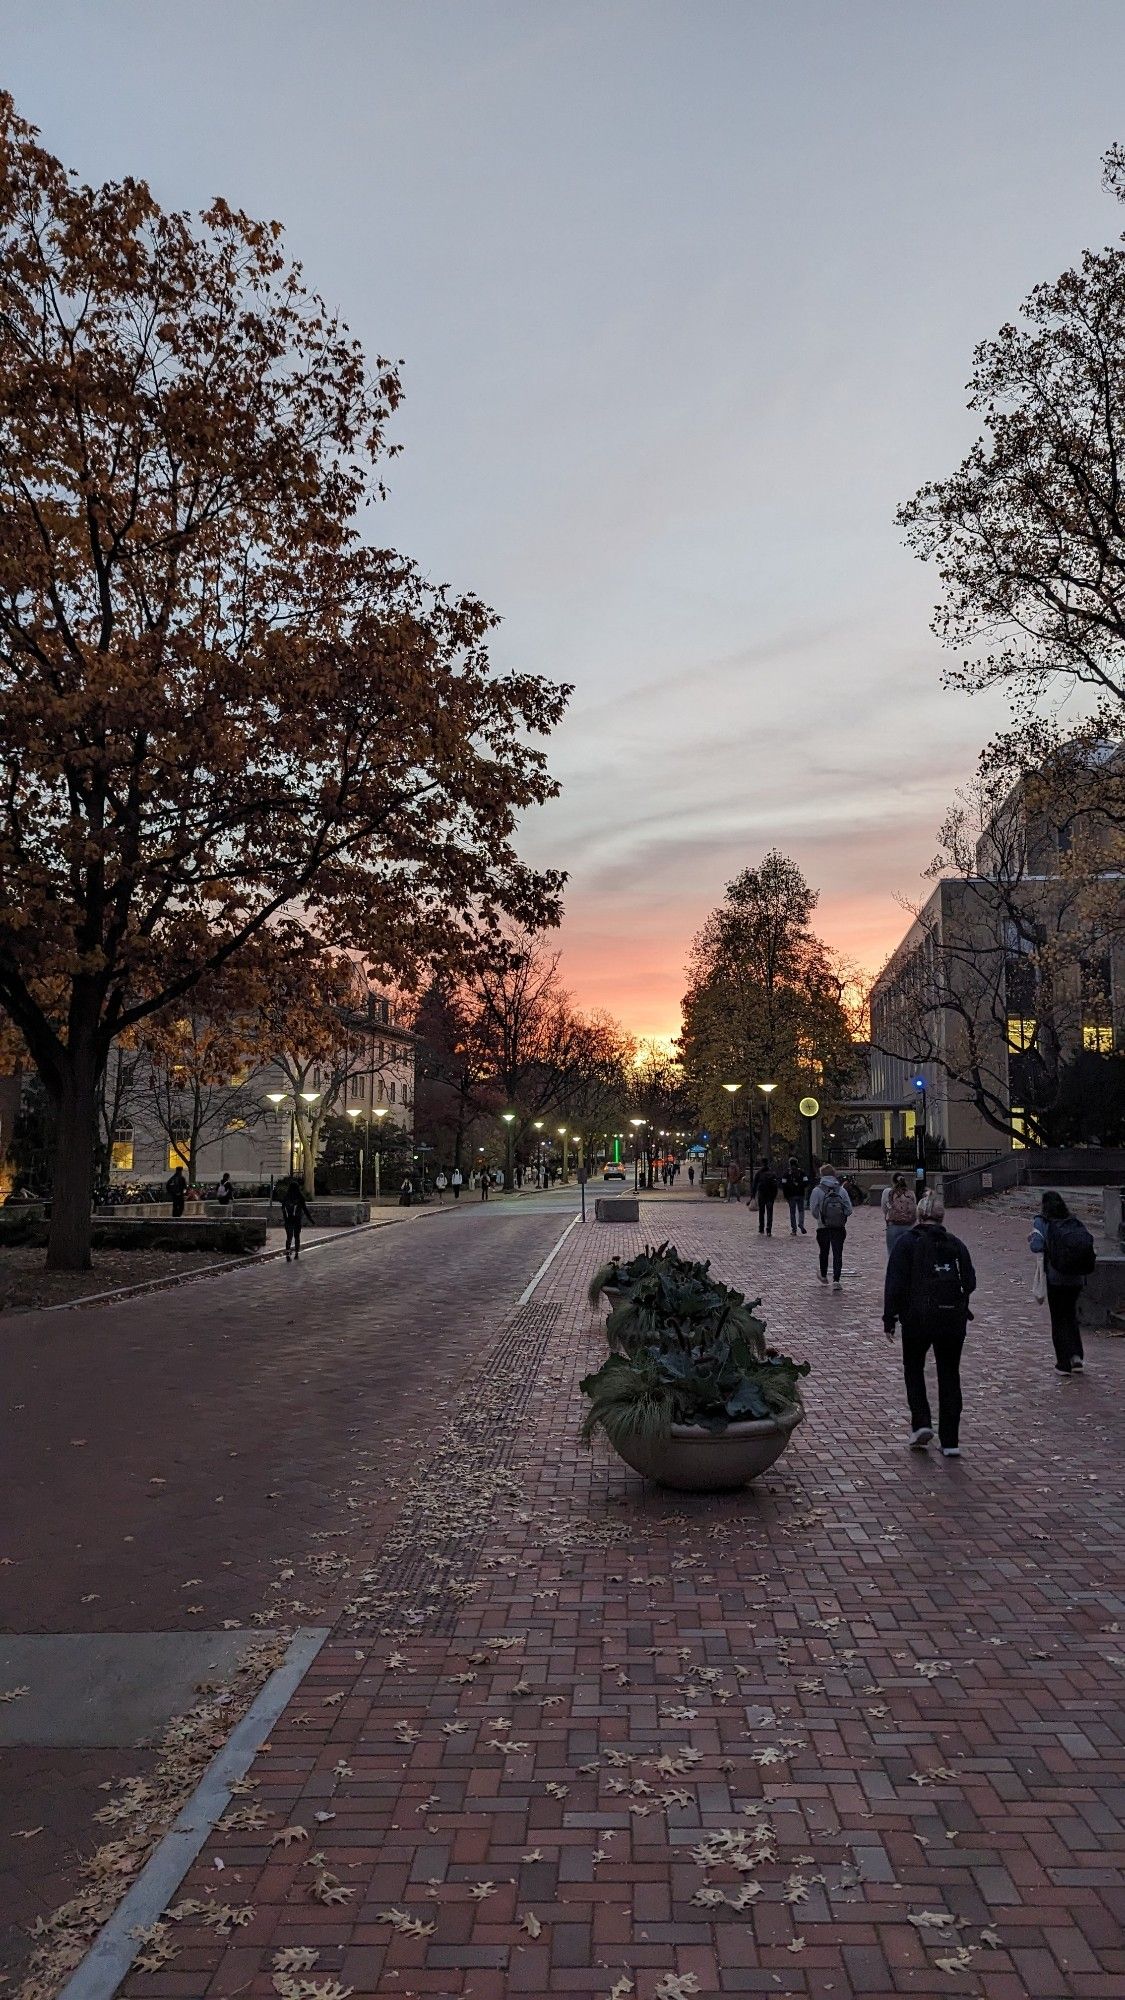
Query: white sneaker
(951, 1451)
(1077, 1364)
(920, 1438)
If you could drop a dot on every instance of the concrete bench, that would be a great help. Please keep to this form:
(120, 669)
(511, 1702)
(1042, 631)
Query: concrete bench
(617, 1208)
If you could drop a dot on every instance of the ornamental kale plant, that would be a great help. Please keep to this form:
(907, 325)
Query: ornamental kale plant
(684, 1349)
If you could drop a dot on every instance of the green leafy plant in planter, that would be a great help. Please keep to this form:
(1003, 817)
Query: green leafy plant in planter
(685, 1349)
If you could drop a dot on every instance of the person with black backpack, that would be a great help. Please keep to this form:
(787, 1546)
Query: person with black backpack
(930, 1280)
(764, 1187)
(1067, 1249)
(830, 1206)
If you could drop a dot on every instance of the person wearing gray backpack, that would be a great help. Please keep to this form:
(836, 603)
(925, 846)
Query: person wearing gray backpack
(830, 1208)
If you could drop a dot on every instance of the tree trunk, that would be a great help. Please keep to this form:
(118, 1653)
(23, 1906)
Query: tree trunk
(68, 1244)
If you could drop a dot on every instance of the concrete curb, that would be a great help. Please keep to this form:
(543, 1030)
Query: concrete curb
(212, 1270)
(112, 1953)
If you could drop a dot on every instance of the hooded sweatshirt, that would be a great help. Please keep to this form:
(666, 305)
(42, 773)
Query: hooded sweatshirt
(828, 1185)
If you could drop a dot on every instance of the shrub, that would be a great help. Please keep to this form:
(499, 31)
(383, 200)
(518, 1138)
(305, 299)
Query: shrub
(684, 1349)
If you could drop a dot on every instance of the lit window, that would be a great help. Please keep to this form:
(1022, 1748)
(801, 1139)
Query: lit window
(909, 1124)
(1019, 1128)
(1098, 1039)
(178, 1155)
(121, 1151)
(236, 1125)
(1021, 1033)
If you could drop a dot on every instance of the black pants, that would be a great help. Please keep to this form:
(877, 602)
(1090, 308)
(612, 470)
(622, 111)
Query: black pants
(831, 1240)
(765, 1214)
(947, 1343)
(292, 1233)
(1062, 1302)
(797, 1213)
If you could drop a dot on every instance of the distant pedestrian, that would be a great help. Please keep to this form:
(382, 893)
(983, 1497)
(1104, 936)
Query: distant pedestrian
(176, 1190)
(1067, 1249)
(295, 1213)
(406, 1192)
(900, 1210)
(456, 1183)
(930, 1280)
(224, 1193)
(691, 1176)
(764, 1185)
(795, 1187)
(734, 1181)
(830, 1206)
(485, 1184)
(441, 1184)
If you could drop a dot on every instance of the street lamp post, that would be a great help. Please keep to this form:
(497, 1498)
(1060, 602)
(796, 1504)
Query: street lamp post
(636, 1124)
(767, 1090)
(732, 1090)
(919, 1084)
(538, 1124)
(379, 1115)
(565, 1156)
(277, 1099)
(508, 1117)
(357, 1111)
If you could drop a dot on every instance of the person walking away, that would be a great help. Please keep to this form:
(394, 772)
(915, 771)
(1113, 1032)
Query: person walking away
(485, 1183)
(224, 1193)
(930, 1280)
(795, 1187)
(1067, 1249)
(764, 1185)
(441, 1184)
(830, 1206)
(294, 1214)
(900, 1210)
(691, 1176)
(456, 1183)
(176, 1190)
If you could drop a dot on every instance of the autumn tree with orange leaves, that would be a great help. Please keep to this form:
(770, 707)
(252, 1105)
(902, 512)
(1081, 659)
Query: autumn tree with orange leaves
(226, 717)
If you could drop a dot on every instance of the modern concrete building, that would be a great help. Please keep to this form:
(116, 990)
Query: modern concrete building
(1008, 969)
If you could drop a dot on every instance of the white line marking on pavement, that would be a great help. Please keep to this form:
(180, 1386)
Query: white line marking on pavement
(112, 1953)
(547, 1262)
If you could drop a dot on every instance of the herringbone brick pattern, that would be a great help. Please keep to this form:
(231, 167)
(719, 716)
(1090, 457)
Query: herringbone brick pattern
(857, 1732)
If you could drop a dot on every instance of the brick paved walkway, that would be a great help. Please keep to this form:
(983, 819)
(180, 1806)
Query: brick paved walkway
(221, 1453)
(858, 1732)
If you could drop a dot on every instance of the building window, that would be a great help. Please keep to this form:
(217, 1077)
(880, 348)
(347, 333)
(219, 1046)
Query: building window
(382, 1089)
(1097, 1036)
(1019, 1128)
(121, 1148)
(909, 1124)
(1021, 1033)
(178, 1153)
(391, 1093)
(236, 1125)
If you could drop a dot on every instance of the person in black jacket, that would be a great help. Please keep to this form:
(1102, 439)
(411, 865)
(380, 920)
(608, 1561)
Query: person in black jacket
(795, 1187)
(764, 1185)
(294, 1212)
(930, 1279)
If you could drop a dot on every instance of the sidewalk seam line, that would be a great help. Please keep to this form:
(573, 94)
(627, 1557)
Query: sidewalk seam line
(547, 1262)
(110, 1957)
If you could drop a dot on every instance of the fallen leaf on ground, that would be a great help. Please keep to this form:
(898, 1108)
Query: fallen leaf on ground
(531, 1924)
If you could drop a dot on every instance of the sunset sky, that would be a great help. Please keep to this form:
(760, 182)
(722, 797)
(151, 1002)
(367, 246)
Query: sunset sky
(686, 296)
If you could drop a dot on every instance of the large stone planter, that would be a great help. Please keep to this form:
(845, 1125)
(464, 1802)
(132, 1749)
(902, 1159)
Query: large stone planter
(699, 1461)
